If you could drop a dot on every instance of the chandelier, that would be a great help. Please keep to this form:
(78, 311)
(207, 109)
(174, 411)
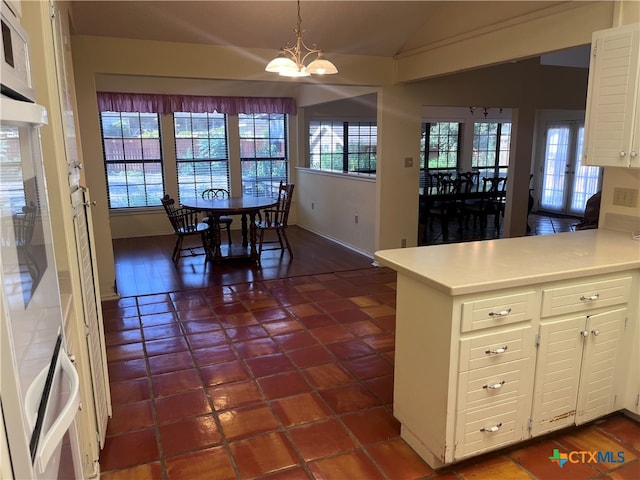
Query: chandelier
(290, 62)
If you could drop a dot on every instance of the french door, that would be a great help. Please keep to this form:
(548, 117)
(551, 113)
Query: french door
(566, 183)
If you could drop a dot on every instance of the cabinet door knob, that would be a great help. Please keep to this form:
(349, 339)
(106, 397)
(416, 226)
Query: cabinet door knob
(501, 313)
(596, 332)
(497, 351)
(633, 154)
(622, 154)
(590, 298)
(495, 386)
(584, 333)
(495, 428)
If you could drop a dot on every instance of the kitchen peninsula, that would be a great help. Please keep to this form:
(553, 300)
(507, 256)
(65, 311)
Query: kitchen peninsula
(503, 340)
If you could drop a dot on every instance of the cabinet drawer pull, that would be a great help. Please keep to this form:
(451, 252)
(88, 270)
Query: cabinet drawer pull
(497, 351)
(501, 313)
(495, 386)
(590, 298)
(495, 428)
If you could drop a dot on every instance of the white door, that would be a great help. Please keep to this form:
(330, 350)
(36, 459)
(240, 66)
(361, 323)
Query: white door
(601, 361)
(557, 377)
(566, 183)
(92, 312)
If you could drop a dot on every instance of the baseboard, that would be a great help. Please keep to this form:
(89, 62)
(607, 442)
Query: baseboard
(335, 240)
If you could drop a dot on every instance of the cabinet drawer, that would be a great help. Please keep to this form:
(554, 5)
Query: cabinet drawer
(585, 296)
(489, 428)
(496, 311)
(495, 348)
(487, 386)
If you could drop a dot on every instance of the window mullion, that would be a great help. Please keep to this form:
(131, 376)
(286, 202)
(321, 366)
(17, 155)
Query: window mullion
(345, 147)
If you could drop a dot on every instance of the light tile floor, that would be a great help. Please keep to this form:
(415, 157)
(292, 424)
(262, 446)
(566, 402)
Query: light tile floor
(290, 379)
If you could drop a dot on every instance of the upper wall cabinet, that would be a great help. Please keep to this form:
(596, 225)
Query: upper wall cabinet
(612, 129)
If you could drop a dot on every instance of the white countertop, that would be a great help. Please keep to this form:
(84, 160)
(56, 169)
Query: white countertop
(472, 267)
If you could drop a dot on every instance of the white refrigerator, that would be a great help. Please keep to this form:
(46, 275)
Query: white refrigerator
(39, 385)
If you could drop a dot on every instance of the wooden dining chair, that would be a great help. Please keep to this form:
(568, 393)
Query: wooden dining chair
(491, 202)
(275, 220)
(449, 206)
(473, 179)
(218, 193)
(185, 224)
(497, 199)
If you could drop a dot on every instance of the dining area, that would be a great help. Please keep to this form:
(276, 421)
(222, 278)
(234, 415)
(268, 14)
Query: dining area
(462, 200)
(204, 220)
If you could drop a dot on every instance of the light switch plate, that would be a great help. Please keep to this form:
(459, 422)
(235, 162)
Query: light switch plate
(625, 197)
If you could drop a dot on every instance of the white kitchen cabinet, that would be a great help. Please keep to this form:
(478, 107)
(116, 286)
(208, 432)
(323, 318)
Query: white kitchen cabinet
(478, 372)
(463, 369)
(486, 344)
(576, 369)
(612, 126)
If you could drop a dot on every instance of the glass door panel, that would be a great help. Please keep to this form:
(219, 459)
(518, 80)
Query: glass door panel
(567, 184)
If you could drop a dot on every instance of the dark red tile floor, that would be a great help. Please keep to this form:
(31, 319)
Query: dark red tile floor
(289, 379)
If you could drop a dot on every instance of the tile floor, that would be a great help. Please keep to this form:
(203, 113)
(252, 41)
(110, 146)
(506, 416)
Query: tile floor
(290, 379)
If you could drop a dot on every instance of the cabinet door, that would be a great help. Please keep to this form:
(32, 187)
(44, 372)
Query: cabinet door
(557, 374)
(611, 137)
(597, 393)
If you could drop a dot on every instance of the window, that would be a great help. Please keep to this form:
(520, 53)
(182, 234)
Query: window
(439, 149)
(348, 147)
(133, 159)
(201, 152)
(263, 152)
(491, 143)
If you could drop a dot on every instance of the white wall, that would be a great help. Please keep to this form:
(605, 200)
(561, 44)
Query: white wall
(328, 204)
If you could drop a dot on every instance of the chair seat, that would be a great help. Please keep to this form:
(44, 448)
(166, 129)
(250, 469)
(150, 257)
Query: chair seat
(264, 225)
(192, 229)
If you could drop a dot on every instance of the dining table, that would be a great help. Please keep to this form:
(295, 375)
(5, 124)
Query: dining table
(454, 204)
(247, 207)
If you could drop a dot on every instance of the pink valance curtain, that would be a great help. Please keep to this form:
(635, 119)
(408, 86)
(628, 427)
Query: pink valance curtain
(158, 103)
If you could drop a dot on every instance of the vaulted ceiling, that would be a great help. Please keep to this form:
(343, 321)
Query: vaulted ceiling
(379, 28)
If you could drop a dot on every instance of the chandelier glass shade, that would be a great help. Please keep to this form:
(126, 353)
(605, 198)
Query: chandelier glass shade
(291, 59)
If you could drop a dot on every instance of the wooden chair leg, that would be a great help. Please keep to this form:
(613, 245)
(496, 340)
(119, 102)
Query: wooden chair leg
(229, 233)
(176, 250)
(284, 234)
(279, 233)
(261, 242)
(205, 245)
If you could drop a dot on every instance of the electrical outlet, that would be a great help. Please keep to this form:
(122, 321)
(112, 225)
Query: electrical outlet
(403, 243)
(408, 162)
(313, 205)
(625, 197)
(356, 219)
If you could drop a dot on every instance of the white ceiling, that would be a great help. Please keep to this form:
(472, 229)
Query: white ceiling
(380, 28)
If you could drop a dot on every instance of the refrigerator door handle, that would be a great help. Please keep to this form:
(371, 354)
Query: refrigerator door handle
(52, 438)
